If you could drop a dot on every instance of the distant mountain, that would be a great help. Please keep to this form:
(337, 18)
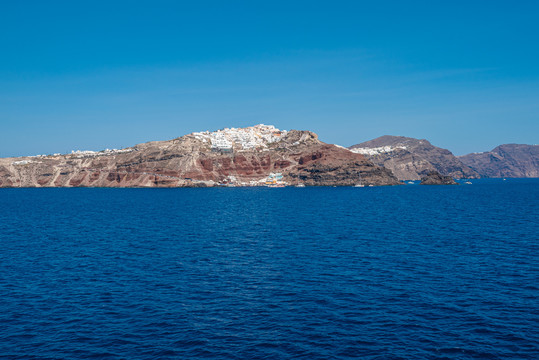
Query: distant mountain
(249, 156)
(412, 159)
(509, 160)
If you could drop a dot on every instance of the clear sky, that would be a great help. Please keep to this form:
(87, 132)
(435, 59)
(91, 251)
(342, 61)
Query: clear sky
(110, 74)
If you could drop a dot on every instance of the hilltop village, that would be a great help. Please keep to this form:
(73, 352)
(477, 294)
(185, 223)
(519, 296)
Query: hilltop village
(228, 143)
(257, 137)
(377, 150)
(263, 155)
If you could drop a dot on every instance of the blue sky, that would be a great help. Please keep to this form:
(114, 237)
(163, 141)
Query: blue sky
(97, 75)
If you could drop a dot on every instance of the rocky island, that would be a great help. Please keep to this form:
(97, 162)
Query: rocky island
(252, 156)
(435, 178)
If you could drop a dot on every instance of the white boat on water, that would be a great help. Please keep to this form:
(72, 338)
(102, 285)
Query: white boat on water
(300, 185)
(411, 182)
(359, 185)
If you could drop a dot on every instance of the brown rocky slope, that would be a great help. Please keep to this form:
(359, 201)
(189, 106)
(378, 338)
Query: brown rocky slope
(435, 178)
(412, 159)
(509, 160)
(195, 160)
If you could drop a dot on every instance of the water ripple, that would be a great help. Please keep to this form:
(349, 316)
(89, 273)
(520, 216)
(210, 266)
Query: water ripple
(313, 273)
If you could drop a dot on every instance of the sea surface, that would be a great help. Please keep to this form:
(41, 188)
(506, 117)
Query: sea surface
(403, 272)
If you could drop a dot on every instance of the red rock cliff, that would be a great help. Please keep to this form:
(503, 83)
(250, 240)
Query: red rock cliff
(196, 160)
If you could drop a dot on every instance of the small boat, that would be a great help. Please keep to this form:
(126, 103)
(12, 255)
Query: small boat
(359, 185)
(300, 185)
(468, 182)
(411, 182)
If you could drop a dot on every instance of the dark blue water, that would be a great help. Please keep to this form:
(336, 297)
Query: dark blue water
(407, 272)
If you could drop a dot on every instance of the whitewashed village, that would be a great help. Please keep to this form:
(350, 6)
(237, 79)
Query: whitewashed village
(377, 150)
(256, 137)
(227, 140)
(240, 139)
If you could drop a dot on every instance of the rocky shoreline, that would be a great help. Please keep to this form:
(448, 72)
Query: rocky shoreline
(435, 178)
(233, 157)
(263, 155)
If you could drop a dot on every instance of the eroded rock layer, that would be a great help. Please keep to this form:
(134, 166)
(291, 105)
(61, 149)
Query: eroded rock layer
(435, 178)
(240, 157)
(411, 159)
(509, 160)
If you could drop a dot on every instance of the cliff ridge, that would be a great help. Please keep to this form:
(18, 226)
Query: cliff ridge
(231, 156)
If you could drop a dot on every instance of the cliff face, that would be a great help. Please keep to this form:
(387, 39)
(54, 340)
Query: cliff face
(411, 159)
(233, 156)
(509, 160)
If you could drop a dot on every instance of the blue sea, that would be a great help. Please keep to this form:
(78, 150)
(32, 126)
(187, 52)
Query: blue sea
(403, 272)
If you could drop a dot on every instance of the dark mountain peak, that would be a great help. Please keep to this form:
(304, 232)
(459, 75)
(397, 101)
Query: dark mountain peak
(507, 160)
(409, 158)
(516, 148)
